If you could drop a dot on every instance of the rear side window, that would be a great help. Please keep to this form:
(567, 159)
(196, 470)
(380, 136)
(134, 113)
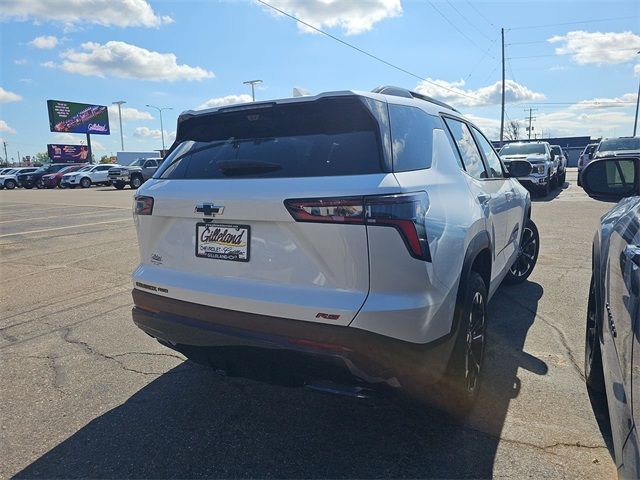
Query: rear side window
(490, 155)
(327, 137)
(411, 137)
(467, 148)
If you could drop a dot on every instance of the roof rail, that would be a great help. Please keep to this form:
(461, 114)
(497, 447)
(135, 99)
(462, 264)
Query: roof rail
(403, 92)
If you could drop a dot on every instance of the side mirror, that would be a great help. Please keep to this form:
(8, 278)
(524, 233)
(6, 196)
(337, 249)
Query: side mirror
(612, 178)
(519, 168)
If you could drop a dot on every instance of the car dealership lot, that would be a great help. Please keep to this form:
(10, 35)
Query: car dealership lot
(84, 393)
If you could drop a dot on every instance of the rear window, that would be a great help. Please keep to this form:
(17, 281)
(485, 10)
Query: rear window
(616, 144)
(328, 137)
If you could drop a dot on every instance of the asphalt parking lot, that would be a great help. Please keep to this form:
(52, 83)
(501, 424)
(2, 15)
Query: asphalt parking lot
(84, 393)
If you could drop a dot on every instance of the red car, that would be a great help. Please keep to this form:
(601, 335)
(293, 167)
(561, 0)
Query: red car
(52, 180)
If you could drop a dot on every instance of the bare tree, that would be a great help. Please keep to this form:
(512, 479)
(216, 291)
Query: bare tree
(512, 132)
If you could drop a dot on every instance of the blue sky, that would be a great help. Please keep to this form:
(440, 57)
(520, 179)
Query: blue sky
(581, 77)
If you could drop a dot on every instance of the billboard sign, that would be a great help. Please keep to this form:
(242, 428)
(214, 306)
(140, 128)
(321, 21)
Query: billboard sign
(77, 117)
(60, 153)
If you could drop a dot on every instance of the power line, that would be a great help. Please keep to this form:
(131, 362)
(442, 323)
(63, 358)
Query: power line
(364, 52)
(482, 58)
(481, 14)
(573, 23)
(468, 21)
(451, 23)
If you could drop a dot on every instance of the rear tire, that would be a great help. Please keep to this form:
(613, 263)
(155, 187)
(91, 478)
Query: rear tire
(527, 257)
(39, 184)
(85, 182)
(593, 372)
(28, 186)
(119, 185)
(462, 382)
(10, 184)
(563, 179)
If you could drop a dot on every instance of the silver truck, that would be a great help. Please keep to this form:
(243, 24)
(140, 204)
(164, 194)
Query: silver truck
(135, 174)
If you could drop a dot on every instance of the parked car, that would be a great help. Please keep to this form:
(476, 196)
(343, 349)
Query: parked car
(617, 146)
(561, 158)
(85, 177)
(612, 339)
(34, 179)
(5, 170)
(544, 167)
(322, 231)
(585, 157)
(52, 180)
(10, 180)
(135, 174)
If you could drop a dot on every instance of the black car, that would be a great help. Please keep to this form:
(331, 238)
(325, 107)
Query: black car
(612, 346)
(34, 179)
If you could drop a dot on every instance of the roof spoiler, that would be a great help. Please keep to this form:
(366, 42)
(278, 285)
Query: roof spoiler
(403, 92)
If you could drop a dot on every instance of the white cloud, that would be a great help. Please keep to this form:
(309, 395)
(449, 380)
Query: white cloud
(26, 80)
(121, 59)
(20, 61)
(146, 132)
(128, 113)
(119, 13)
(636, 70)
(601, 103)
(597, 47)
(4, 127)
(454, 93)
(45, 42)
(96, 146)
(6, 96)
(221, 101)
(353, 17)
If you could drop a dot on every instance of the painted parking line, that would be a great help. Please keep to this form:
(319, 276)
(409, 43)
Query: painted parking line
(65, 228)
(88, 214)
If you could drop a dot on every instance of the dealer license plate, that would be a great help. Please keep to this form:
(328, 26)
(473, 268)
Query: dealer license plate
(223, 242)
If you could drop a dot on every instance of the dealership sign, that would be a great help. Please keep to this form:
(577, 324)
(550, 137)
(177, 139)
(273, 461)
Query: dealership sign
(77, 117)
(67, 153)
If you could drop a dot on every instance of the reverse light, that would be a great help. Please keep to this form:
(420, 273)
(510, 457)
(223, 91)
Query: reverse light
(404, 212)
(142, 205)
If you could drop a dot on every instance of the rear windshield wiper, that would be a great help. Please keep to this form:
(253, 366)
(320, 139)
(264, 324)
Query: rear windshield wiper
(246, 167)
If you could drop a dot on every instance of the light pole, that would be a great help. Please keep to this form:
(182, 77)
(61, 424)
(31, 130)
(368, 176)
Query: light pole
(160, 109)
(635, 123)
(253, 84)
(119, 103)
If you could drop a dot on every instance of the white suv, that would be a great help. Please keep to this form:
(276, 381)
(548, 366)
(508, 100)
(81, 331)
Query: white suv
(349, 236)
(87, 176)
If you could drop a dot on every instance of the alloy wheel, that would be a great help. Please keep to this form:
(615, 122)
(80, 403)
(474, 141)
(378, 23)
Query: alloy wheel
(475, 340)
(526, 255)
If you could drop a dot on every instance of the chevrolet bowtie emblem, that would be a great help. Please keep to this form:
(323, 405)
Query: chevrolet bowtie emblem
(209, 209)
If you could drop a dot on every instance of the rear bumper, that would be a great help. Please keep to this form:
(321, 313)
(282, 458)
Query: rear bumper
(533, 182)
(310, 350)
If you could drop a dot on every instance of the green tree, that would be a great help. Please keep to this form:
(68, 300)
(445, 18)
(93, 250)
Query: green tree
(41, 157)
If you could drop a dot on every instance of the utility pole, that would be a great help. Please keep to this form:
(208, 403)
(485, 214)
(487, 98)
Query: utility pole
(160, 109)
(119, 103)
(635, 124)
(19, 157)
(531, 119)
(503, 86)
(6, 156)
(253, 84)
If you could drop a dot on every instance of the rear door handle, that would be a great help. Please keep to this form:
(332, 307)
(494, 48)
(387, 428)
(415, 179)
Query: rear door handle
(632, 252)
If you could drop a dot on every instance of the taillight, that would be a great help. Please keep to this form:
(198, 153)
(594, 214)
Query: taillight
(142, 205)
(404, 212)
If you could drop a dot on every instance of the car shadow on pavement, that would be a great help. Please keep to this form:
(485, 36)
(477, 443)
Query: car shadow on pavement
(192, 423)
(537, 197)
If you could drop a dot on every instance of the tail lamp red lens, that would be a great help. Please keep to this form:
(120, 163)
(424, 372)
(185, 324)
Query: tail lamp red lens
(142, 205)
(404, 212)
